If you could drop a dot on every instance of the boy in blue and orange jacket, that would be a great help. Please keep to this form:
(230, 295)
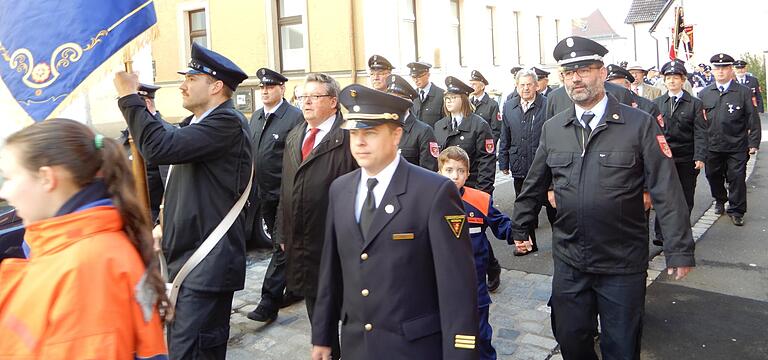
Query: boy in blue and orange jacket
(453, 163)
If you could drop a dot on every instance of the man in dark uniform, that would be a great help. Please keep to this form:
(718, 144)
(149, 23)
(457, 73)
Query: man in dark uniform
(743, 78)
(317, 152)
(397, 267)
(734, 134)
(428, 106)
(269, 128)
(685, 131)
(379, 69)
(620, 76)
(558, 100)
(600, 239)
(156, 174)
(485, 107)
(522, 121)
(543, 81)
(513, 71)
(212, 166)
(418, 144)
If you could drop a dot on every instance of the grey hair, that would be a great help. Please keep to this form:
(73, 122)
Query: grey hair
(526, 72)
(331, 85)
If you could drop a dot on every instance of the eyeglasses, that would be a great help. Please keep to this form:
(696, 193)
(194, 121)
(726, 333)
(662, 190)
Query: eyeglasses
(582, 72)
(312, 97)
(451, 98)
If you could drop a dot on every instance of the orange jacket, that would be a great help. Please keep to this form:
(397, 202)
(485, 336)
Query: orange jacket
(75, 297)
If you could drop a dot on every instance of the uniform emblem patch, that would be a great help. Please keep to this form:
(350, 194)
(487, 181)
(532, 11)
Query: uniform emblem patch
(660, 120)
(456, 222)
(489, 146)
(498, 116)
(664, 146)
(434, 149)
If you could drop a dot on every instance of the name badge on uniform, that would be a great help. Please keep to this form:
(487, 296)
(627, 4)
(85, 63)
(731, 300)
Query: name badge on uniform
(403, 236)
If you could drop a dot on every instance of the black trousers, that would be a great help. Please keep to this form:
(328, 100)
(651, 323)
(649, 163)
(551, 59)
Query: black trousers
(579, 297)
(730, 167)
(551, 212)
(335, 347)
(274, 279)
(688, 175)
(200, 327)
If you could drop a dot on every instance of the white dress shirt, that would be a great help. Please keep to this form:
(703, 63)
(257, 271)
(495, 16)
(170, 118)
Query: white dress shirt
(272, 109)
(323, 129)
(384, 177)
(598, 110)
(725, 86)
(195, 120)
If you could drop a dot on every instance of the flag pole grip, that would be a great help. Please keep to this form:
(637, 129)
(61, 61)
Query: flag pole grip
(138, 165)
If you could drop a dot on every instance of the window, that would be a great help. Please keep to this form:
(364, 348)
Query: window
(198, 31)
(291, 35)
(557, 31)
(490, 14)
(409, 40)
(541, 46)
(517, 38)
(455, 22)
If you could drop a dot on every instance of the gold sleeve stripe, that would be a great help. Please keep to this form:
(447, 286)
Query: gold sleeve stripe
(465, 337)
(464, 346)
(471, 342)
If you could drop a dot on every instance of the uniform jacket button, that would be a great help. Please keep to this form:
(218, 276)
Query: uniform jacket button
(364, 256)
(368, 327)
(365, 292)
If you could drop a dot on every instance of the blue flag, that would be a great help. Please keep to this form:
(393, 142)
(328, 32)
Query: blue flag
(48, 48)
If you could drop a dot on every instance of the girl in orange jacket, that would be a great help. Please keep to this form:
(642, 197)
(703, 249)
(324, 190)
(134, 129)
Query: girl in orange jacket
(89, 288)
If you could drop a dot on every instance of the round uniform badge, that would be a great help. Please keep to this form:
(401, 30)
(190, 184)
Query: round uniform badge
(389, 208)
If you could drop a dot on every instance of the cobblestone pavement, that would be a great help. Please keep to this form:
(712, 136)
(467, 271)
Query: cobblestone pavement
(519, 316)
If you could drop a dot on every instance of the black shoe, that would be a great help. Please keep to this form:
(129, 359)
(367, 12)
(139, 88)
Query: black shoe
(494, 279)
(262, 314)
(290, 299)
(658, 242)
(737, 220)
(719, 208)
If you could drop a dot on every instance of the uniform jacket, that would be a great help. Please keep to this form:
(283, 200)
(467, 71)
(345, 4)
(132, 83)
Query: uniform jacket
(511, 95)
(413, 279)
(734, 125)
(601, 225)
(418, 144)
(212, 166)
(547, 91)
(520, 135)
(268, 144)
(481, 214)
(431, 110)
(757, 92)
(75, 297)
(474, 136)
(558, 100)
(489, 111)
(301, 213)
(649, 92)
(684, 126)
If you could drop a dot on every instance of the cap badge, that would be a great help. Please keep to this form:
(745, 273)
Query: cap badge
(721, 56)
(389, 208)
(615, 116)
(353, 93)
(569, 42)
(573, 54)
(356, 108)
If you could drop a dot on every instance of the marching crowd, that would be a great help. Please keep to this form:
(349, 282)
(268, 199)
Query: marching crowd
(378, 215)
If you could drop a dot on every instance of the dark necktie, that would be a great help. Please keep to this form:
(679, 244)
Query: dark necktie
(421, 94)
(369, 207)
(454, 125)
(476, 102)
(309, 143)
(722, 89)
(586, 117)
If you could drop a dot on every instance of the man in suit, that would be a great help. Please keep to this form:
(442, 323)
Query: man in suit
(744, 78)
(418, 144)
(269, 128)
(317, 152)
(543, 82)
(212, 164)
(639, 86)
(397, 267)
(379, 69)
(485, 107)
(428, 107)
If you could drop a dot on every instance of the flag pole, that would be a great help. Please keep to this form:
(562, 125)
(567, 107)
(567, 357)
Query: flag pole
(139, 168)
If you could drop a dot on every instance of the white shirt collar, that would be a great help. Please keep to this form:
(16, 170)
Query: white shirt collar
(678, 95)
(482, 95)
(458, 118)
(725, 86)
(195, 120)
(426, 88)
(325, 126)
(272, 110)
(384, 177)
(598, 110)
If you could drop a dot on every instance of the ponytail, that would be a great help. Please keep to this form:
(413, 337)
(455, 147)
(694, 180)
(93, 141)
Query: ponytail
(88, 157)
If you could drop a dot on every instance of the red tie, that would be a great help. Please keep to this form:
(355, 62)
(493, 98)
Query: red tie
(309, 143)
